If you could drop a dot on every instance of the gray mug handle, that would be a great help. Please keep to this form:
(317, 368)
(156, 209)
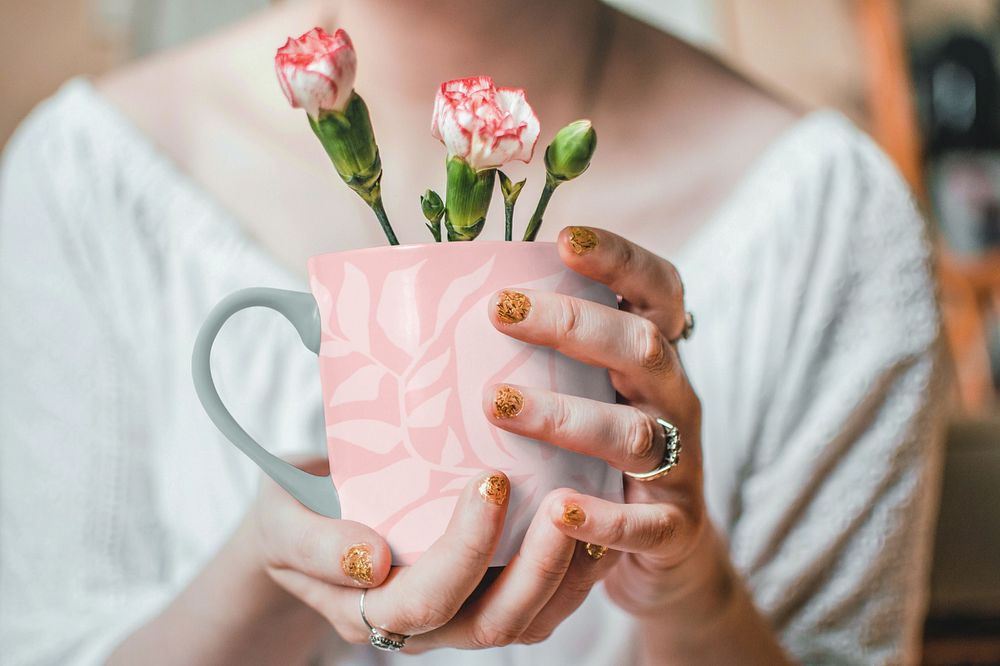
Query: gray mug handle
(315, 492)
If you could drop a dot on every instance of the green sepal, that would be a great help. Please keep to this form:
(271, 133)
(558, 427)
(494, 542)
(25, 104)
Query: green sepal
(349, 140)
(467, 199)
(510, 189)
(466, 233)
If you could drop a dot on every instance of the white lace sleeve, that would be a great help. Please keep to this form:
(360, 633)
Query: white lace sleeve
(64, 362)
(114, 486)
(818, 366)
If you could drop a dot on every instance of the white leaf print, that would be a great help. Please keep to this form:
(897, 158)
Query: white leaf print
(362, 385)
(451, 454)
(429, 413)
(324, 301)
(402, 328)
(458, 290)
(353, 305)
(429, 372)
(376, 436)
(335, 348)
(431, 516)
(367, 497)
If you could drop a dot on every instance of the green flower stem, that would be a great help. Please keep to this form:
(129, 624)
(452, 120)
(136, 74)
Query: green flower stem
(383, 219)
(508, 210)
(535, 223)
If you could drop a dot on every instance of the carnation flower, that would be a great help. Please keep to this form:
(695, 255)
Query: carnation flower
(317, 71)
(484, 125)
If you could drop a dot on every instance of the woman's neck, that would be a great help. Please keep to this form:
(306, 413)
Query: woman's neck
(408, 46)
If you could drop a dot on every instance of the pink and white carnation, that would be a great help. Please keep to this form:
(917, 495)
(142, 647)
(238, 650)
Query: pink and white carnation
(317, 71)
(484, 125)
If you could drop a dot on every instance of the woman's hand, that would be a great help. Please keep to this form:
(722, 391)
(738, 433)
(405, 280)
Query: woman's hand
(644, 547)
(662, 521)
(574, 540)
(660, 559)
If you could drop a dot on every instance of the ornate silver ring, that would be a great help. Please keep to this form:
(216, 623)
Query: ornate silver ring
(379, 638)
(671, 454)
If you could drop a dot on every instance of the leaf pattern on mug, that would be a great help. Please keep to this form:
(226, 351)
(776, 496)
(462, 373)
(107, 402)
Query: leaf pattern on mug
(324, 301)
(429, 413)
(387, 491)
(460, 289)
(399, 286)
(414, 447)
(430, 517)
(375, 436)
(429, 372)
(362, 385)
(335, 348)
(451, 454)
(353, 305)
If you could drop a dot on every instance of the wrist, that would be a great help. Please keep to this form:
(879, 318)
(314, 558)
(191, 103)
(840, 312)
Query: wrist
(700, 591)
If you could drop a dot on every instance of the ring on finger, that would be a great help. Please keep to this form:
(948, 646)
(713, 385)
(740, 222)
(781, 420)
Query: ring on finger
(688, 329)
(671, 454)
(380, 638)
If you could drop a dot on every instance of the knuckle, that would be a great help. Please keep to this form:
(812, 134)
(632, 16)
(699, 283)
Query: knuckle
(533, 637)
(352, 634)
(641, 439)
(549, 571)
(422, 616)
(558, 418)
(490, 633)
(568, 318)
(308, 544)
(474, 553)
(662, 531)
(618, 528)
(626, 259)
(654, 356)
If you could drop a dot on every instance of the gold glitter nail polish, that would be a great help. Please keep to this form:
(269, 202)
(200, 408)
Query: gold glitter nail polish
(573, 515)
(582, 240)
(357, 563)
(513, 307)
(595, 551)
(507, 402)
(494, 489)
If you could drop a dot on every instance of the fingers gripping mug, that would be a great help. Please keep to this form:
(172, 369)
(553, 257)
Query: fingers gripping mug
(405, 351)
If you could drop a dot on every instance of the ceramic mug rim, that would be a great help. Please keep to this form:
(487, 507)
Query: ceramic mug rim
(413, 247)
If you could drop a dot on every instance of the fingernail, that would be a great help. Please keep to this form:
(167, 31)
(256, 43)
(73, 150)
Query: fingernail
(582, 240)
(512, 307)
(507, 402)
(494, 489)
(357, 563)
(595, 551)
(573, 515)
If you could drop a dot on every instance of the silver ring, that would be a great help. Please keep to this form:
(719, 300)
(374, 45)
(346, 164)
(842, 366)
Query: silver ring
(688, 329)
(382, 641)
(671, 454)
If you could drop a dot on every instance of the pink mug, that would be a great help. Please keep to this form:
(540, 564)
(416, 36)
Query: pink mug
(405, 351)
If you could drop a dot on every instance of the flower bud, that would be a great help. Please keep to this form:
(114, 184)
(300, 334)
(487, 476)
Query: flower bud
(571, 150)
(433, 209)
(432, 206)
(467, 199)
(349, 140)
(509, 188)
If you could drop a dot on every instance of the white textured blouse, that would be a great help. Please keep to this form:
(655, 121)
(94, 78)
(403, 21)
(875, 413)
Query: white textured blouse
(815, 358)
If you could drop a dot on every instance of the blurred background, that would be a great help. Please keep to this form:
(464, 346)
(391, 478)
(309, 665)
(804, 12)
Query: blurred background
(921, 76)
